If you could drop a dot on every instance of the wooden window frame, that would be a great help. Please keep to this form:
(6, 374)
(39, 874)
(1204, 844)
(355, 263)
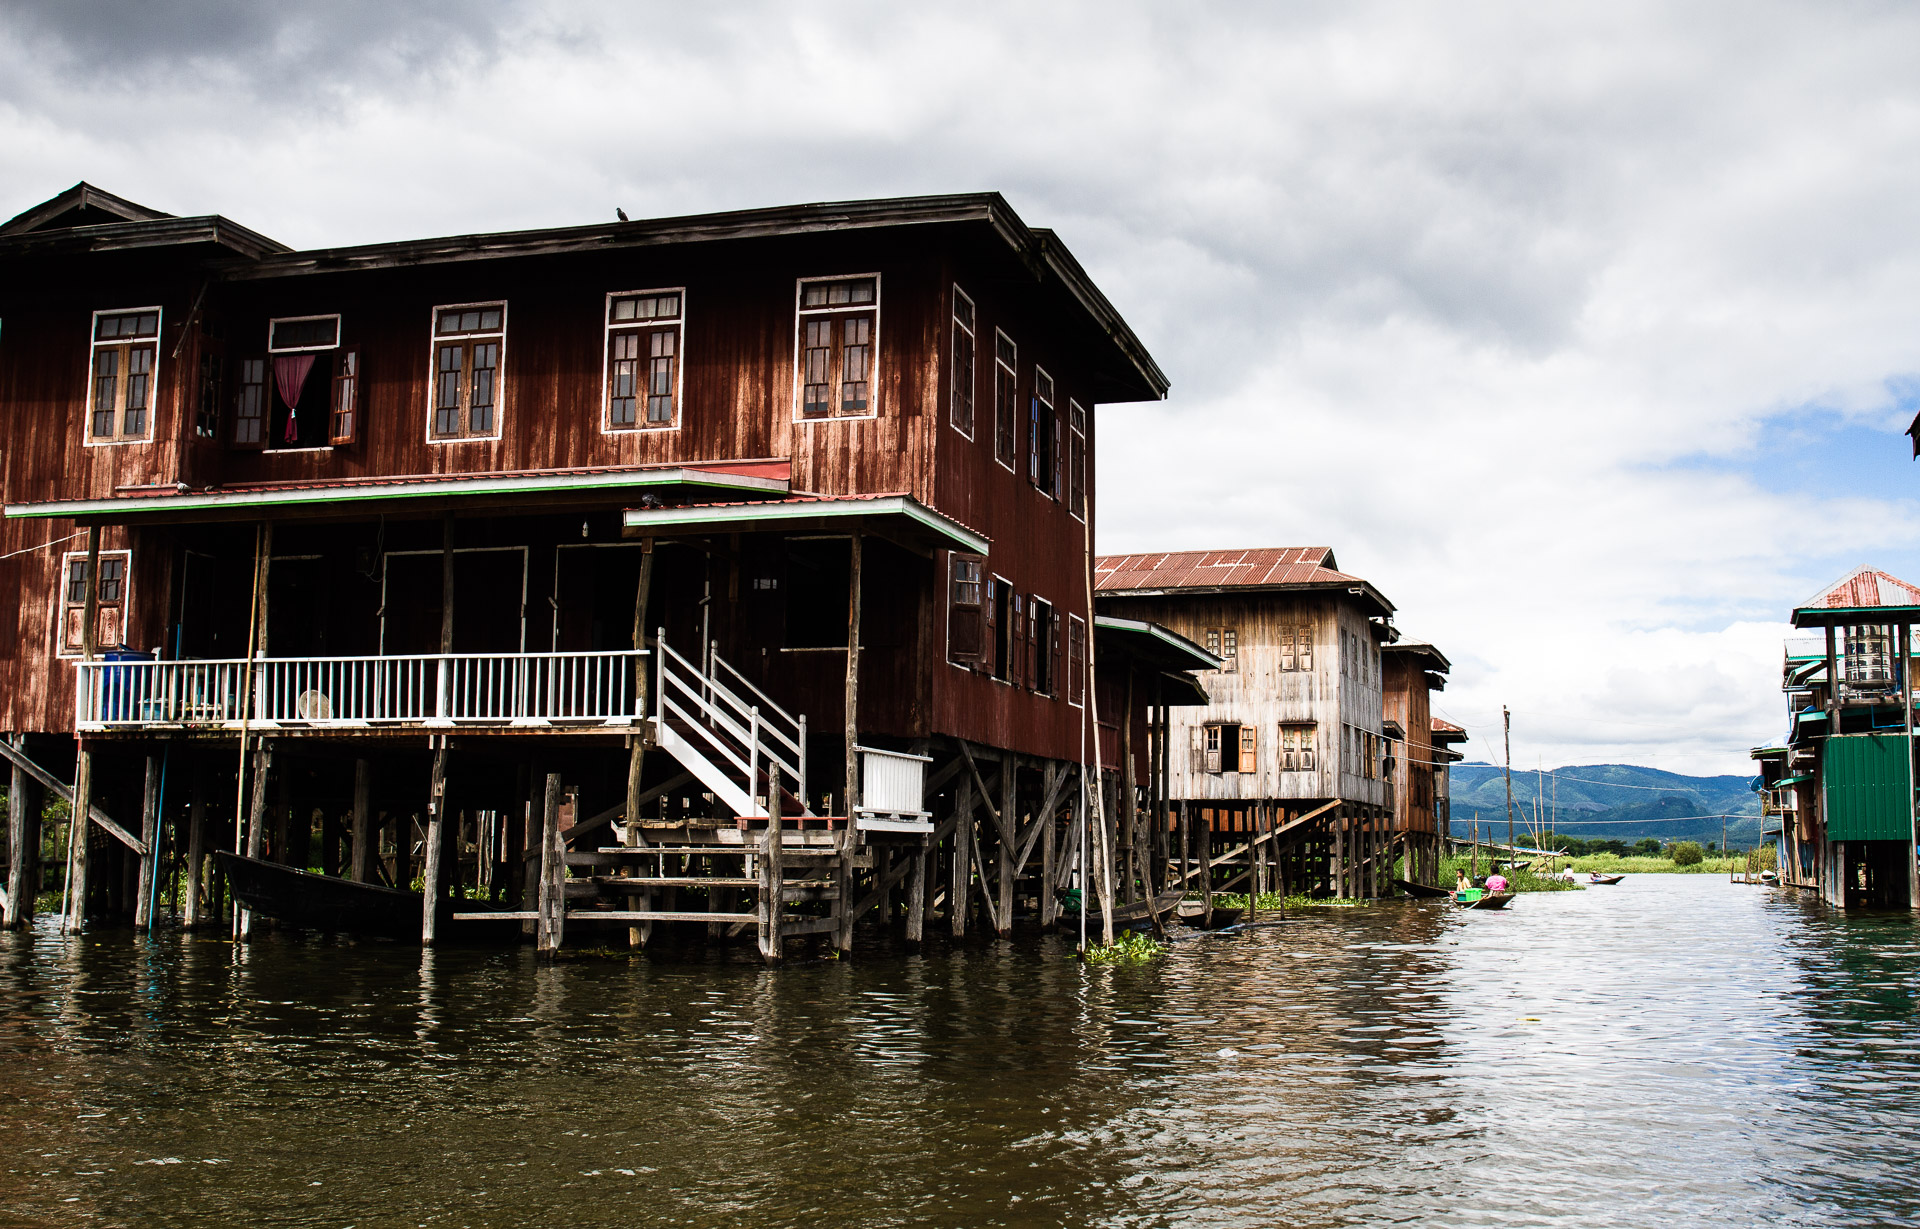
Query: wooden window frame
(1043, 435)
(1077, 459)
(211, 392)
(309, 349)
(837, 316)
(343, 399)
(467, 340)
(1296, 746)
(1296, 648)
(64, 608)
(990, 655)
(1212, 747)
(1006, 402)
(960, 612)
(676, 325)
(122, 350)
(1215, 640)
(963, 388)
(1043, 645)
(1249, 748)
(1076, 661)
(241, 420)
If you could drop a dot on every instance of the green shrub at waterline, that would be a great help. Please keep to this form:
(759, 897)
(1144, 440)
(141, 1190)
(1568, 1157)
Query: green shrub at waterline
(1131, 947)
(1686, 853)
(1612, 864)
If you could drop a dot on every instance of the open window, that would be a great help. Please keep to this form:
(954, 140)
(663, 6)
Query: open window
(1226, 746)
(110, 616)
(1043, 437)
(1000, 599)
(1076, 660)
(1043, 636)
(304, 394)
(1006, 405)
(644, 349)
(1077, 460)
(124, 372)
(838, 335)
(469, 343)
(966, 609)
(960, 413)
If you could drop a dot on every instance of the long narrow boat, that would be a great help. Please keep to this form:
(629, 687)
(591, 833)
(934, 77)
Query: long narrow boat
(1597, 877)
(322, 902)
(1486, 900)
(1136, 911)
(1419, 889)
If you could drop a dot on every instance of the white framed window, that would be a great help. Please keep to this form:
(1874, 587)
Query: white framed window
(1043, 635)
(1076, 661)
(960, 411)
(1043, 437)
(1077, 459)
(836, 347)
(1296, 747)
(123, 374)
(966, 609)
(1006, 398)
(110, 617)
(645, 344)
(1224, 643)
(304, 394)
(298, 334)
(469, 350)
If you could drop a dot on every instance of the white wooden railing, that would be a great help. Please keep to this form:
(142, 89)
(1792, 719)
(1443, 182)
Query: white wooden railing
(727, 731)
(434, 689)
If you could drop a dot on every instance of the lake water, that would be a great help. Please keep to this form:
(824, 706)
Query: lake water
(1672, 1051)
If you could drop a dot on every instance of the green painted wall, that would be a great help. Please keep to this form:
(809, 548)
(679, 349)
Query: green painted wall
(1866, 777)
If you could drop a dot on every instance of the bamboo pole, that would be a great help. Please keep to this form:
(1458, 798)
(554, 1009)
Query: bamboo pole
(256, 629)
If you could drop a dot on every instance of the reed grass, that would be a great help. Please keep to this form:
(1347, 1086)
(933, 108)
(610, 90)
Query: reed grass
(1129, 947)
(1614, 864)
(1519, 879)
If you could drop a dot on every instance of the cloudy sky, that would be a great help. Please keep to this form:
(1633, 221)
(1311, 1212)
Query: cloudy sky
(1586, 332)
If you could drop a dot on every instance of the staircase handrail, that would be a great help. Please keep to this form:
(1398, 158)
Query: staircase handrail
(768, 705)
(718, 714)
(713, 699)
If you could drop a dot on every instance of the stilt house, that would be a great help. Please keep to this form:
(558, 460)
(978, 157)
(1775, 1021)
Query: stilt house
(1289, 759)
(1411, 671)
(726, 570)
(1840, 784)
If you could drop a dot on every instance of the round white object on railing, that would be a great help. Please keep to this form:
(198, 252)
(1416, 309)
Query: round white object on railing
(313, 706)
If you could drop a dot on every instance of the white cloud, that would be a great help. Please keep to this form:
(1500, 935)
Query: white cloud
(1454, 289)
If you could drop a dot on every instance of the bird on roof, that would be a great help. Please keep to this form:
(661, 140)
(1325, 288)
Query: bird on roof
(619, 213)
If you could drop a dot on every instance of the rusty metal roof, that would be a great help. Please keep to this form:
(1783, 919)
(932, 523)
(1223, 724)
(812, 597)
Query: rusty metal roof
(1276, 567)
(1446, 731)
(1858, 595)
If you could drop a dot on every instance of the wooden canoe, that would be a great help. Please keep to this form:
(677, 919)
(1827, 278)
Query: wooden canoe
(322, 902)
(1137, 910)
(1598, 878)
(1486, 900)
(1419, 889)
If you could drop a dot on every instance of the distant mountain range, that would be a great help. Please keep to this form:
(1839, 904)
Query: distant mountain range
(1618, 801)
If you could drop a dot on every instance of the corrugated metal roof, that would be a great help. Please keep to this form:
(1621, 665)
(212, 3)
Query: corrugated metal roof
(1199, 569)
(1864, 588)
(1447, 727)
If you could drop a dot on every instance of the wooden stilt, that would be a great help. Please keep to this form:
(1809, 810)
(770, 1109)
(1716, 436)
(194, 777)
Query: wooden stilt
(1203, 861)
(1009, 822)
(773, 874)
(630, 833)
(360, 859)
(553, 873)
(961, 877)
(430, 885)
(150, 837)
(192, 914)
(79, 827)
(256, 817)
(23, 846)
(1049, 902)
(917, 894)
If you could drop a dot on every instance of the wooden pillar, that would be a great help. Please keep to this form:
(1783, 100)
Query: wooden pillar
(1049, 902)
(553, 873)
(853, 677)
(80, 823)
(256, 817)
(430, 890)
(192, 913)
(961, 877)
(1128, 813)
(1009, 823)
(917, 893)
(150, 837)
(360, 860)
(23, 846)
(773, 880)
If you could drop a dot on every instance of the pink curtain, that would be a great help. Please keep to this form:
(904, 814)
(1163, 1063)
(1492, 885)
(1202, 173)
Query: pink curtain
(289, 375)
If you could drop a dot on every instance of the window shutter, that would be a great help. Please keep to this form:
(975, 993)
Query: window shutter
(1035, 671)
(990, 621)
(1307, 733)
(1249, 748)
(1017, 643)
(1212, 752)
(1053, 674)
(344, 424)
(965, 628)
(107, 626)
(1059, 461)
(1304, 654)
(72, 627)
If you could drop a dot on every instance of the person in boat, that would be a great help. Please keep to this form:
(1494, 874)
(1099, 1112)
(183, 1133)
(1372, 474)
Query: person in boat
(1496, 883)
(1461, 883)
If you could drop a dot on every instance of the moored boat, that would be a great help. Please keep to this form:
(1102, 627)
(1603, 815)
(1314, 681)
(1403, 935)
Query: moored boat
(1597, 877)
(1419, 889)
(323, 902)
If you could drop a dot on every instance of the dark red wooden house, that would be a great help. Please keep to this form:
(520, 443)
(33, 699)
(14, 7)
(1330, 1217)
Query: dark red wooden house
(457, 558)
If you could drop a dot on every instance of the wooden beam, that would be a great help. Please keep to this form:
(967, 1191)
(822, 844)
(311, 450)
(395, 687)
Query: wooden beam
(150, 838)
(986, 793)
(1274, 834)
(360, 859)
(603, 818)
(18, 758)
(773, 875)
(23, 849)
(430, 886)
(551, 922)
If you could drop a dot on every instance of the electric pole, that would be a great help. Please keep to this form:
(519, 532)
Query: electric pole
(1506, 728)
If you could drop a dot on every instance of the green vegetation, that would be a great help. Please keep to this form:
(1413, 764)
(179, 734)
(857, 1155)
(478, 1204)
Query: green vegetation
(1611, 864)
(1130, 947)
(1273, 902)
(1686, 853)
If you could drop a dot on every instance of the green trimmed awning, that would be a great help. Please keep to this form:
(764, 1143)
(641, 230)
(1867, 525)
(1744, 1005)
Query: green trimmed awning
(901, 517)
(1153, 644)
(1805, 776)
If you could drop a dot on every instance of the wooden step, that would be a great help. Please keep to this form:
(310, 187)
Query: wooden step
(686, 881)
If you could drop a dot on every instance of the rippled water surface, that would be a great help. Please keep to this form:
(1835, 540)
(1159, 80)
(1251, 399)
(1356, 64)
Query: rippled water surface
(1674, 1050)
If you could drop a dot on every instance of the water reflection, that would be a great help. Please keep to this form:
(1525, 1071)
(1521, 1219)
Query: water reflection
(1670, 1051)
